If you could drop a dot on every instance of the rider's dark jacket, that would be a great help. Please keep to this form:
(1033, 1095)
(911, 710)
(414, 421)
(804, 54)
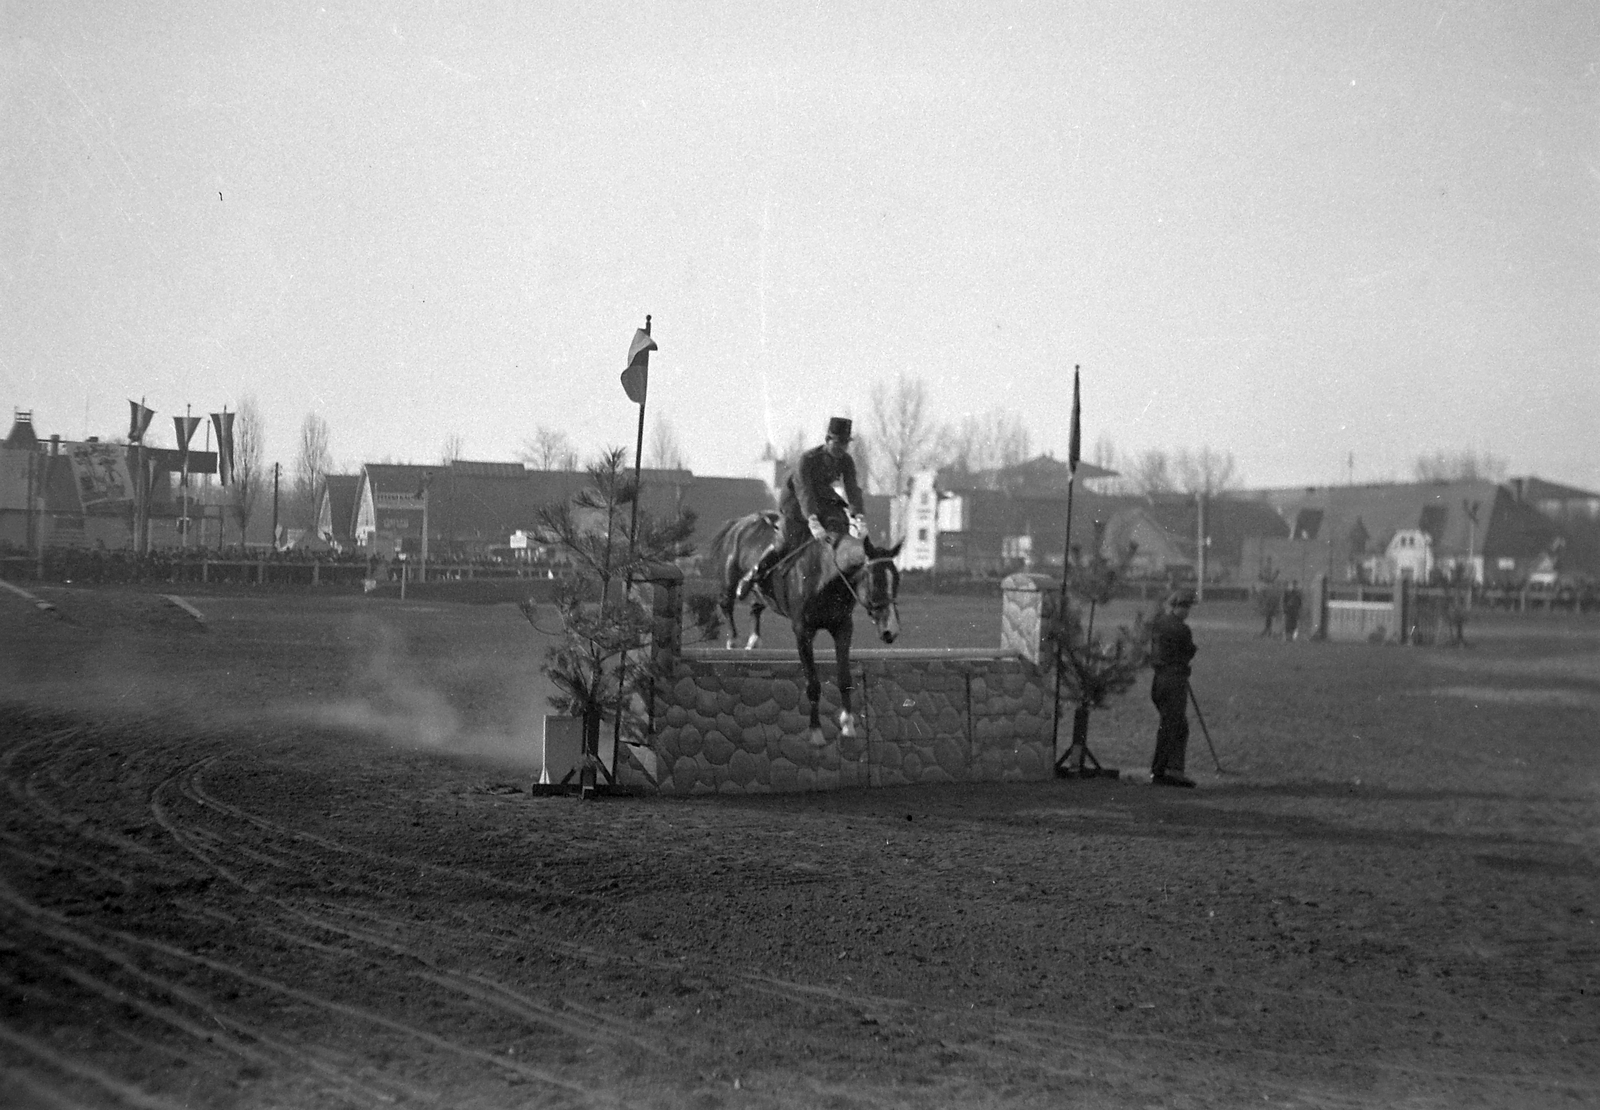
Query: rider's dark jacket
(809, 490)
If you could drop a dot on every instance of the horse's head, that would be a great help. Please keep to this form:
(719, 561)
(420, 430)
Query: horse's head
(878, 588)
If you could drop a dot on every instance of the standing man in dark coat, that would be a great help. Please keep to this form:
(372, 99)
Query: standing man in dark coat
(1171, 649)
(1293, 601)
(810, 502)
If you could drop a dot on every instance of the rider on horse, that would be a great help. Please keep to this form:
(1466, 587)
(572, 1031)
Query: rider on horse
(809, 500)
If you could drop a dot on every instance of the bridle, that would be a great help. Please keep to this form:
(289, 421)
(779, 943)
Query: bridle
(877, 612)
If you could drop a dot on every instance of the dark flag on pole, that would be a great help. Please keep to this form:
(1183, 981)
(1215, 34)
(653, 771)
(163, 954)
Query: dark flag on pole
(1075, 444)
(636, 377)
(185, 427)
(139, 419)
(223, 422)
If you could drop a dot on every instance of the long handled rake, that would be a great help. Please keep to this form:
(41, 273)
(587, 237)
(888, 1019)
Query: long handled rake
(1204, 731)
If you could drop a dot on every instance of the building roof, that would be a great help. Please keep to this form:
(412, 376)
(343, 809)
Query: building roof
(22, 434)
(1041, 475)
(1229, 522)
(344, 491)
(1374, 513)
(1537, 489)
(485, 503)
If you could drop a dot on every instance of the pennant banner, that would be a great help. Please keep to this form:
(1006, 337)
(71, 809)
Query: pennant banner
(223, 423)
(636, 378)
(139, 419)
(185, 427)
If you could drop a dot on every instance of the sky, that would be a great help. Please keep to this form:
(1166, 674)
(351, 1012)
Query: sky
(1325, 237)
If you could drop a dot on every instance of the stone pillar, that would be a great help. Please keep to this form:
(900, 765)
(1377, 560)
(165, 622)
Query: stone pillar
(1405, 607)
(662, 591)
(1029, 604)
(1319, 602)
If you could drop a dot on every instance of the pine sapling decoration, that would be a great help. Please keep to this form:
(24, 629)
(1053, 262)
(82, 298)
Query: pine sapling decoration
(601, 665)
(1094, 666)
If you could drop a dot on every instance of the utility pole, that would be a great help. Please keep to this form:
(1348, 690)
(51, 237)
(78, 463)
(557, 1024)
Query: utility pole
(1200, 545)
(277, 468)
(1471, 509)
(427, 482)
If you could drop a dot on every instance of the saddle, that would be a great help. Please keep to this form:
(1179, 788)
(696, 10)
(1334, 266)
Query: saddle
(849, 554)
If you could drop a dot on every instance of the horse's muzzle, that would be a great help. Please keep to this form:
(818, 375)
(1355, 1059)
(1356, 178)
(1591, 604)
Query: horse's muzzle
(888, 635)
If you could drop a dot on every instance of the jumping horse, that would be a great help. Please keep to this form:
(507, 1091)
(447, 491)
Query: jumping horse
(817, 586)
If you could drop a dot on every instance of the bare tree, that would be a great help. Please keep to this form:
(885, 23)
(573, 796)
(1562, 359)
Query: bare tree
(903, 431)
(990, 440)
(1206, 472)
(1466, 465)
(454, 446)
(311, 469)
(1151, 473)
(1104, 454)
(249, 471)
(549, 449)
(663, 452)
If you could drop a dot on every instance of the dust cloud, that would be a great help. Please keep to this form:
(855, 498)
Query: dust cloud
(466, 705)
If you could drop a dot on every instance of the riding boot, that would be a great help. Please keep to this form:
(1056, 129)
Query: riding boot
(763, 566)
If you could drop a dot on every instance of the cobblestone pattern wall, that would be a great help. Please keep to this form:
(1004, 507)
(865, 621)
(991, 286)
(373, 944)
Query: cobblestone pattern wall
(728, 722)
(735, 727)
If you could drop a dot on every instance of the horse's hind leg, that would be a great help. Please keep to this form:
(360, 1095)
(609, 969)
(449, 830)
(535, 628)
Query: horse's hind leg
(808, 668)
(755, 626)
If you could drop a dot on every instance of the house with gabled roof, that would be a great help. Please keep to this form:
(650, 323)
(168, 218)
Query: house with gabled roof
(1477, 526)
(473, 508)
(1556, 501)
(336, 510)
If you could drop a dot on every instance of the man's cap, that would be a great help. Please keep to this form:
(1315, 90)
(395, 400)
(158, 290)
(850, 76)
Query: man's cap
(1180, 597)
(839, 427)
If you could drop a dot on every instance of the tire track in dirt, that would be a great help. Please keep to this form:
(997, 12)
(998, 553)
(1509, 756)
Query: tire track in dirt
(118, 948)
(1036, 1041)
(481, 988)
(101, 1080)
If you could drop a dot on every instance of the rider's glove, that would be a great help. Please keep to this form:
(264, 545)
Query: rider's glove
(817, 529)
(858, 527)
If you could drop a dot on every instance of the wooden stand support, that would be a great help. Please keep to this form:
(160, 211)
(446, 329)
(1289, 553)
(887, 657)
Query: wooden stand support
(1078, 762)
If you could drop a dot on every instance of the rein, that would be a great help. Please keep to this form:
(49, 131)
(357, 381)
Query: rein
(889, 606)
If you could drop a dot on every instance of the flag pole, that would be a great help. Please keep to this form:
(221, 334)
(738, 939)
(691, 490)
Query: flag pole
(1073, 446)
(633, 529)
(638, 458)
(187, 411)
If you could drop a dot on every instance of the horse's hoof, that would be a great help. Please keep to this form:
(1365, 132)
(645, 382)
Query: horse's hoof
(847, 725)
(730, 643)
(753, 643)
(817, 739)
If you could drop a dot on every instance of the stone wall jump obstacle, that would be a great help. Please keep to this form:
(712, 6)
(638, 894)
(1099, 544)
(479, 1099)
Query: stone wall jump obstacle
(731, 722)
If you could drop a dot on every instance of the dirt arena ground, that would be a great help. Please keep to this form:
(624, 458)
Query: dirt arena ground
(290, 860)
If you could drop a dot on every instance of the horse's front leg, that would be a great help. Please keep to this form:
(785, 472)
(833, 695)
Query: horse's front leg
(756, 610)
(808, 668)
(841, 651)
(730, 579)
(733, 625)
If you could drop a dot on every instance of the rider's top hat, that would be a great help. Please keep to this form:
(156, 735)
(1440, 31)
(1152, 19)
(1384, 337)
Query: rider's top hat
(839, 427)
